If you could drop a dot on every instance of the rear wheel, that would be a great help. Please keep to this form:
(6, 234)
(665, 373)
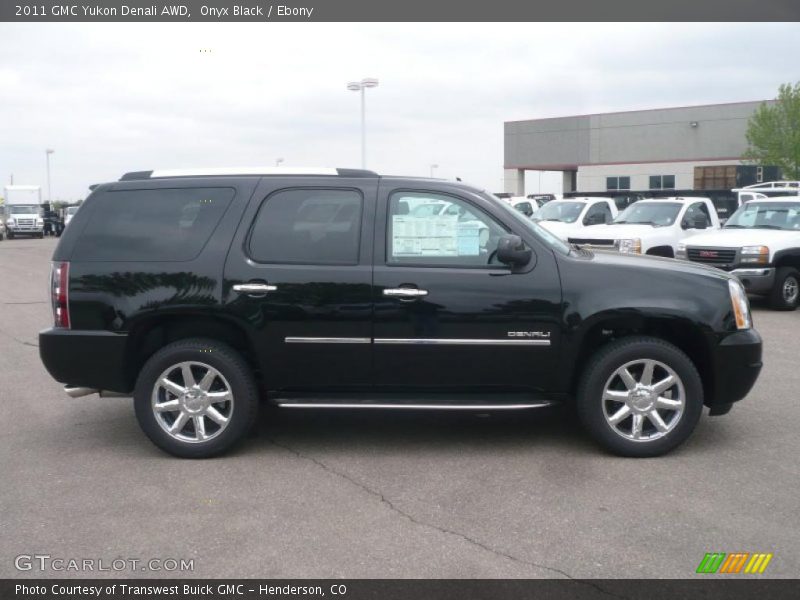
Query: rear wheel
(640, 397)
(196, 398)
(786, 291)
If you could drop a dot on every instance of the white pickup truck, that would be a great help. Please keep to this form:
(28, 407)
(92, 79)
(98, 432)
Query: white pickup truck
(653, 226)
(575, 216)
(760, 244)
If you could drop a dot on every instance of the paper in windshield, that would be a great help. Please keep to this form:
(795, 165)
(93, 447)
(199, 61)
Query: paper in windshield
(434, 235)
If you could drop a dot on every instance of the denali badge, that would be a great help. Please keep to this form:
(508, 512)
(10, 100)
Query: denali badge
(530, 334)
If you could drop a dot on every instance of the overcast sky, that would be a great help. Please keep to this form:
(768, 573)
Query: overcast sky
(111, 98)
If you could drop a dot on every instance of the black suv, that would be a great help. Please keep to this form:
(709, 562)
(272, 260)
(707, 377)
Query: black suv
(202, 293)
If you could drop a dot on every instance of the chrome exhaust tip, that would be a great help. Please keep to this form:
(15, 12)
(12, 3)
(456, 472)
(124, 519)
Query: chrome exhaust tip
(78, 392)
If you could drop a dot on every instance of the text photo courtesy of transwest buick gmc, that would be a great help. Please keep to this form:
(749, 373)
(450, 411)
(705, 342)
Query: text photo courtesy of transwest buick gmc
(205, 293)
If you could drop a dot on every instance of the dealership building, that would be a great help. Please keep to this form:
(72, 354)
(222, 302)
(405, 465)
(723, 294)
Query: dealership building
(684, 148)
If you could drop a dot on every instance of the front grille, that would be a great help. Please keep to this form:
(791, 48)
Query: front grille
(712, 256)
(26, 222)
(608, 243)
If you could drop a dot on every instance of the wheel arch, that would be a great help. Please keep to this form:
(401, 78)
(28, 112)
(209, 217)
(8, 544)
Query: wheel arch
(666, 251)
(787, 258)
(149, 335)
(681, 332)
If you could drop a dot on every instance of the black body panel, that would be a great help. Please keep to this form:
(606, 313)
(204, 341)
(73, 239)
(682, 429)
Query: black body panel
(346, 338)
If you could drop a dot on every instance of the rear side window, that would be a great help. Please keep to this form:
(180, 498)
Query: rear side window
(308, 226)
(152, 225)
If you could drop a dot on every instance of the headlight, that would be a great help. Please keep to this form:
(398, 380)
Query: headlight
(633, 246)
(740, 304)
(10, 222)
(755, 254)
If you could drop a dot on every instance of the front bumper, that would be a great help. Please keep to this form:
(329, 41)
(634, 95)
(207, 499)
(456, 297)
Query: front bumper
(756, 280)
(92, 359)
(737, 364)
(23, 230)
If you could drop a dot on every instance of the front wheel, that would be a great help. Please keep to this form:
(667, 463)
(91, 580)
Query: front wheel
(196, 398)
(786, 291)
(640, 397)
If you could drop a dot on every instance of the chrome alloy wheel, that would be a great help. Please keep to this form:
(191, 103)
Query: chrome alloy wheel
(791, 288)
(643, 400)
(192, 402)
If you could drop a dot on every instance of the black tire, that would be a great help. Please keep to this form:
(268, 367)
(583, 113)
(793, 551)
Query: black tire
(233, 369)
(778, 298)
(10, 235)
(601, 367)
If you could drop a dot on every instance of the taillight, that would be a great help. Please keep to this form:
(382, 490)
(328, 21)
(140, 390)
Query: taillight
(59, 292)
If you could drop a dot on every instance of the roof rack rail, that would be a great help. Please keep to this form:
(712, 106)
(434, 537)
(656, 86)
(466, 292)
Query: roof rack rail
(258, 171)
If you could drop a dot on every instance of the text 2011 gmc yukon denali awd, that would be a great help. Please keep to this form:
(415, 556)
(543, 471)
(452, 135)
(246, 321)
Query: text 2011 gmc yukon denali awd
(203, 293)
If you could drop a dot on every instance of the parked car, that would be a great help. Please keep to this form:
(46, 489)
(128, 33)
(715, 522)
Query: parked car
(202, 293)
(759, 244)
(653, 226)
(70, 212)
(573, 217)
(524, 205)
(23, 211)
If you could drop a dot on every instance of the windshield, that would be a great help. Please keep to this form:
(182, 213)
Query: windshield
(560, 210)
(545, 236)
(766, 215)
(658, 214)
(25, 210)
(72, 210)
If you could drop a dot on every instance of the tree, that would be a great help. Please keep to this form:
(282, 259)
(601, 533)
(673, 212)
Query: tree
(773, 132)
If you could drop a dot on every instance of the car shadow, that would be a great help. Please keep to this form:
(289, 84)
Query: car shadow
(381, 430)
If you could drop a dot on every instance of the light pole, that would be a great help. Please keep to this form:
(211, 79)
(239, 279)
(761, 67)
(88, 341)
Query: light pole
(47, 154)
(432, 169)
(361, 86)
(278, 162)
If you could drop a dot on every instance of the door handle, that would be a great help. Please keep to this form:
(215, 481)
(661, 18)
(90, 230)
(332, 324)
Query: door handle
(405, 292)
(254, 288)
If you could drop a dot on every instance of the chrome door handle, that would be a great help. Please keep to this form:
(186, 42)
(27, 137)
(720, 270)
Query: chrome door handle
(405, 292)
(254, 288)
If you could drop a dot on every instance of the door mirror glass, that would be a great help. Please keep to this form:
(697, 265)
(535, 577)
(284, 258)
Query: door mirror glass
(511, 250)
(700, 221)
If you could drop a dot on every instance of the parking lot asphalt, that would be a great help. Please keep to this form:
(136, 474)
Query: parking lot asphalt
(385, 495)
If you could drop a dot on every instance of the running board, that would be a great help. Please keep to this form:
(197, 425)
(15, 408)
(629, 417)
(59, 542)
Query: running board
(367, 405)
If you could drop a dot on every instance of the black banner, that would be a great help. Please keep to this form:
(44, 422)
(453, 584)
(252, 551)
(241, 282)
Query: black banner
(406, 589)
(394, 10)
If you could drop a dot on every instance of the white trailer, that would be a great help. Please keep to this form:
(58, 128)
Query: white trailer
(23, 211)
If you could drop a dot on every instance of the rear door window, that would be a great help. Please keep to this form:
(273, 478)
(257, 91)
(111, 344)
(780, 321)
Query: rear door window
(308, 226)
(166, 225)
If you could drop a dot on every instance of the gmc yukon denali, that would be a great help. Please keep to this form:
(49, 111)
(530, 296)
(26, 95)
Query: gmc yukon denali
(203, 293)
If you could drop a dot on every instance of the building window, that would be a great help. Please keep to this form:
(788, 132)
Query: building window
(662, 182)
(618, 183)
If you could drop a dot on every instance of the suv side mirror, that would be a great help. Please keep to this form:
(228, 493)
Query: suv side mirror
(700, 221)
(512, 251)
(595, 219)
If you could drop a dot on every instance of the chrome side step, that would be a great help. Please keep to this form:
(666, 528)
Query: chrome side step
(79, 392)
(358, 405)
